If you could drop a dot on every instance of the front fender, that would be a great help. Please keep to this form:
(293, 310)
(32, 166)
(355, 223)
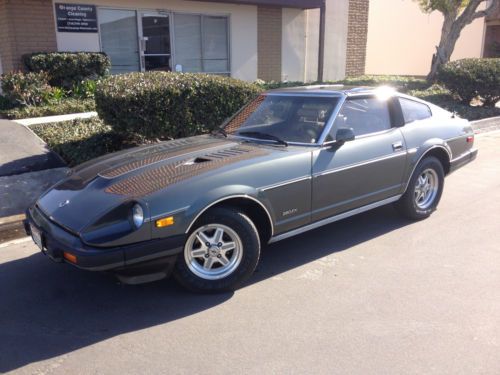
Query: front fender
(220, 194)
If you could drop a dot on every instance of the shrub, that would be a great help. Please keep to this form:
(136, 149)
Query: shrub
(169, 105)
(84, 89)
(22, 89)
(63, 107)
(80, 140)
(67, 69)
(5, 103)
(470, 78)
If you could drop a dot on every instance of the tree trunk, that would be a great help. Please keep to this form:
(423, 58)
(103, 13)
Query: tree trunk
(452, 26)
(449, 36)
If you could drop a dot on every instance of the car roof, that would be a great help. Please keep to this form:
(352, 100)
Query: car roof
(334, 90)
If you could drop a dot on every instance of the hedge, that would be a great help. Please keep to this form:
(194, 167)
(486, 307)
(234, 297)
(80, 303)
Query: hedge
(67, 69)
(80, 140)
(471, 78)
(23, 89)
(162, 105)
(63, 107)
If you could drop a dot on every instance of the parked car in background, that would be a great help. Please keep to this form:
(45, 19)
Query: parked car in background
(290, 161)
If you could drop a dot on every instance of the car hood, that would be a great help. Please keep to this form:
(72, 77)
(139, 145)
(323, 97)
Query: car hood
(100, 185)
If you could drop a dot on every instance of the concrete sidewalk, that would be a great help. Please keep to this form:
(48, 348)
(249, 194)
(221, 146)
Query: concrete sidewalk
(22, 151)
(27, 168)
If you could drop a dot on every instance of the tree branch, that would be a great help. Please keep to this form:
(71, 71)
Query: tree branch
(466, 17)
(494, 6)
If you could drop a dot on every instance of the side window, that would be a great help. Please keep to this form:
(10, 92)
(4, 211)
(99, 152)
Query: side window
(364, 116)
(413, 111)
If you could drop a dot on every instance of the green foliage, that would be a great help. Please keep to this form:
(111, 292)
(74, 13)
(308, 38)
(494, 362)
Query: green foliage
(169, 105)
(84, 89)
(443, 6)
(270, 85)
(62, 107)
(80, 140)
(23, 89)
(5, 104)
(66, 69)
(401, 83)
(471, 78)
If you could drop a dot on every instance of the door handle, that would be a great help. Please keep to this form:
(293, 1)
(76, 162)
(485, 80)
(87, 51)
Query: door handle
(397, 146)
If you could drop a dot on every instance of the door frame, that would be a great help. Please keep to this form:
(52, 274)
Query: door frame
(140, 13)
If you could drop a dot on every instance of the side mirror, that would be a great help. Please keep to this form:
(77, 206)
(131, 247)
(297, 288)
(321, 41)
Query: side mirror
(344, 135)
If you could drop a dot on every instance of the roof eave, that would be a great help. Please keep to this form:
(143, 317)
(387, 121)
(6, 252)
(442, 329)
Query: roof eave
(302, 4)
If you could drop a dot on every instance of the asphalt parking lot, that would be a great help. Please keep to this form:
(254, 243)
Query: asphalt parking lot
(373, 294)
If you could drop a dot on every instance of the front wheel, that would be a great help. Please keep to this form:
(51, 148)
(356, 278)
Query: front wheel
(220, 253)
(424, 190)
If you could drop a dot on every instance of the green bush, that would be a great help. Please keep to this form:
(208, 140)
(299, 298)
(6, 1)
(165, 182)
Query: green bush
(80, 140)
(169, 105)
(67, 69)
(471, 78)
(84, 89)
(63, 107)
(5, 103)
(23, 89)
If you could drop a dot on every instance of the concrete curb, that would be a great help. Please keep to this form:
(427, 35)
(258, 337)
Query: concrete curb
(45, 120)
(486, 124)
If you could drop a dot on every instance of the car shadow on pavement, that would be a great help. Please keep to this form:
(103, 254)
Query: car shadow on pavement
(47, 310)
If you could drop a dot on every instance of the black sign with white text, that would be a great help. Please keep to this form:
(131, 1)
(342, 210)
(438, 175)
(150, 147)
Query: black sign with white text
(76, 18)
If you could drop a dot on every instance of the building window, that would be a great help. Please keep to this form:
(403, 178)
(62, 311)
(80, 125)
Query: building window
(118, 31)
(201, 43)
(142, 41)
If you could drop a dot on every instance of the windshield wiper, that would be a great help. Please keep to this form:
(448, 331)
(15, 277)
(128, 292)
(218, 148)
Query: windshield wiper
(265, 136)
(220, 131)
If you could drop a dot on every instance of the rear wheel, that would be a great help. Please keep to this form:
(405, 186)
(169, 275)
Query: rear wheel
(424, 190)
(220, 253)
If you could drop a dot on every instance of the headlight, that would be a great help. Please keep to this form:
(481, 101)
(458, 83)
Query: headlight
(137, 215)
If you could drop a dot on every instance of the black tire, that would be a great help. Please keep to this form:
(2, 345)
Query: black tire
(407, 204)
(250, 253)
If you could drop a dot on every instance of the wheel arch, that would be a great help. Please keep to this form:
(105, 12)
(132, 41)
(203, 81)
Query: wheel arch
(439, 151)
(255, 209)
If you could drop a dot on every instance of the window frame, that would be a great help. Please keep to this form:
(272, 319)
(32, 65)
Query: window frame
(415, 101)
(328, 124)
(171, 15)
(394, 117)
(202, 15)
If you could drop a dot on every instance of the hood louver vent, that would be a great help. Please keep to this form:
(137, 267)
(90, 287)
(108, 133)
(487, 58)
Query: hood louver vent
(160, 177)
(158, 153)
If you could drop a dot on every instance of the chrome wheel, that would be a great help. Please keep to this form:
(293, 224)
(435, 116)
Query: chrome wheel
(213, 251)
(426, 188)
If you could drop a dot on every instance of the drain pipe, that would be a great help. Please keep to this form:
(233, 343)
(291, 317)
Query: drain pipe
(321, 49)
(306, 46)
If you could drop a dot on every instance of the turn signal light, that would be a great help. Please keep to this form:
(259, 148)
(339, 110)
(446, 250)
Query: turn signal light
(69, 257)
(165, 222)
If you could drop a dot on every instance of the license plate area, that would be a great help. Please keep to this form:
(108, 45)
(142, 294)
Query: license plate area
(36, 235)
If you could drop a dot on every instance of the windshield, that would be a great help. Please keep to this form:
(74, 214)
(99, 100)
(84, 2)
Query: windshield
(286, 118)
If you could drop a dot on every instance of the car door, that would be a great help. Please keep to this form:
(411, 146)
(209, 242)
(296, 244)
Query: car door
(368, 169)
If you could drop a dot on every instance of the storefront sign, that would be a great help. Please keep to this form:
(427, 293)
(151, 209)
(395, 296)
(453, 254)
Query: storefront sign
(76, 18)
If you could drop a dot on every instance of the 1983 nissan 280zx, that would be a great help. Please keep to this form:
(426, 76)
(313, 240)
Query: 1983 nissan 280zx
(290, 161)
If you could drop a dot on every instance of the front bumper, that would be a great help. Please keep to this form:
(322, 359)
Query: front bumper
(463, 159)
(56, 241)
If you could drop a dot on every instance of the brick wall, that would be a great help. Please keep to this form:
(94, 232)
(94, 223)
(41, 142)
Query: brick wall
(357, 32)
(269, 32)
(25, 26)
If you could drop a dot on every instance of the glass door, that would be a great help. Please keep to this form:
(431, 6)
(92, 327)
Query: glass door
(154, 37)
(118, 32)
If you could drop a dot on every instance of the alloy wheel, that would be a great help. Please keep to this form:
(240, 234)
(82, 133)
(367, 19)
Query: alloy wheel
(213, 251)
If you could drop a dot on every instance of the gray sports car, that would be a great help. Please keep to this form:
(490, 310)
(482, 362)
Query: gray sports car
(289, 161)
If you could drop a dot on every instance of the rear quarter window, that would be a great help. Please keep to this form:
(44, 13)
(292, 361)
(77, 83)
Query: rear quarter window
(413, 111)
